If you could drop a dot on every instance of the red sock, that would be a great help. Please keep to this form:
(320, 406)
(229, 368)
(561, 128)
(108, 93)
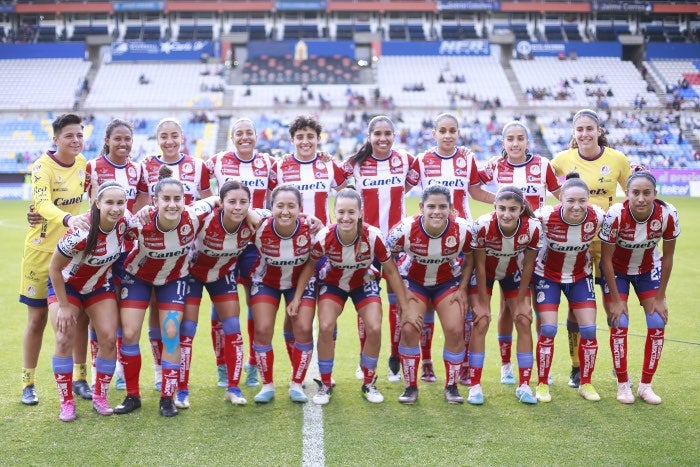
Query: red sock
(361, 332)
(505, 347)
(452, 372)
(467, 335)
(368, 374)
(587, 351)
(185, 361)
(409, 365)
(169, 382)
(94, 347)
(301, 357)
(217, 341)
(289, 345)
(156, 350)
(102, 384)
(394, 329)
(524, 375)
(326, 379)
(545, 354)
(233, 355)
(652, 353)
(474, 375)
(64, 383)
(426, 341)
(265, 360)
(618, 347)
(251, 337)
(132, 368)
(119, 349)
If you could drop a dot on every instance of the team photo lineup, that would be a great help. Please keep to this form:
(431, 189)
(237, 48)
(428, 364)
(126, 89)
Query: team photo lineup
(316, 231)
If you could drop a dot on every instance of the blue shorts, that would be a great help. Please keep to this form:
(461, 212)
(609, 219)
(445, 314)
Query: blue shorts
(645, 285)
(360, 296)
(118, 270)
(261, 293)
(548, 294)
(509, 285)
(221, 290)
(244, 264)
(79, 300)
(136, 293)
(433, 293)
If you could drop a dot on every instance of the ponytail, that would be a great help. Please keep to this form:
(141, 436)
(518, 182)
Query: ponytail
(91, 239)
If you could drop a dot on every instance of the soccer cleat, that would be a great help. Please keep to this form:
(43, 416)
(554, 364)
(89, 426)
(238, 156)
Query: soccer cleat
(82, 389)
(296, 394)
(624, 393)
(130, 404)
(101, 405)
(29, 396)
(222, 376)
(119, 382)
(359, 374)
(264, 396)
(251, 379)
(507, 374)
(235, 396)
(323, 396)
(394, 373)
(157, 377)
(427, 373)
(524, 394)
(542, 393)
(588, 392)
(371, 393)
(476, 395)
(464, 379)
(409, 395)
(452, 395)
(575, 377)
(167, 407)
(647, 394)
(67, 411)
(182, 399)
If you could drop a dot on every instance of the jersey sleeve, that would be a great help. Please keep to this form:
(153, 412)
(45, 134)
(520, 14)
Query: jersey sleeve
(205, 178)
(610, 227)
(274, 176)
(474, 174)
(381, 252)
(89, 182)
(72, 243)
(396, 239)
(551, 180)
(535, 235)
(414, 171)
(340, 175)
(673, 227)
(468, 239)
(42, 180)
(625, 171)
(210, 164)
(142, 185)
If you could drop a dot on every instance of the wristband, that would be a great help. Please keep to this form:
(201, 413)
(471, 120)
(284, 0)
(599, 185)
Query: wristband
(66, 219)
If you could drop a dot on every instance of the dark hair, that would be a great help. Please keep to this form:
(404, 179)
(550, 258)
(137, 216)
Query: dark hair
(232, 185)
(165, 177)
(602, 139)
(437, 190)
(286, 187)
(63, 121)
(351, 193)
(443, 116)
(513, 192)
(366, 150)
(91, 239)
(573, 179)
(111, 126)
(302, 122)
(642, 172)
(506, 127)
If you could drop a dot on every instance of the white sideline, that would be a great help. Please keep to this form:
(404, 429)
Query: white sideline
(313, 452)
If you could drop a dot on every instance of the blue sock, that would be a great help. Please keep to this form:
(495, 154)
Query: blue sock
(305, 347)
(92, 334)
(452, 357)
(525, 359)
(262, 348)
(409, 351)
(62, 364)
(288, 335)
(429, 317)
(587, 332)
(214, 315)
(231, 325)
(106, 366)
(188, 328)
(170, 365)
(325, 366)
(476, 359)
(131, 350)
(368, 362)
(154, 333)
(505, 338)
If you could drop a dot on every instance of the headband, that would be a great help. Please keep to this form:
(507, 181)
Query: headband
(515, 191)
(104, 188)
(515, 123)
(641, 173)
(587, 113)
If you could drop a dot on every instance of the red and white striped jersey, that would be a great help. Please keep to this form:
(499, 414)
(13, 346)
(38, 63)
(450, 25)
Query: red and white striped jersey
(162, 257)
(190, 171)
(381, 182)
(87, 274)
(347, 265)
(430, 260)
(102, 170)
(534, 176)
(635, 242)
(564, 254)
(314, 179)
(504, 254)
(255, 173)
(457, 172)
(216, 249)
(281, 258)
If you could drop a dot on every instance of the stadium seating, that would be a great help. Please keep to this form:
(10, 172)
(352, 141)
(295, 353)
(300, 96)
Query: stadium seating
(672, 72)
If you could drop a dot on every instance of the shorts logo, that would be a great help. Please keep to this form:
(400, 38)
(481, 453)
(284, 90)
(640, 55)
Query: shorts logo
(540, 297)
(125, 292)
(31, 291)
(323, 290)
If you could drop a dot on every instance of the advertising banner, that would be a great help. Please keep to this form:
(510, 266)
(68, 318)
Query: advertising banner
(162, 51)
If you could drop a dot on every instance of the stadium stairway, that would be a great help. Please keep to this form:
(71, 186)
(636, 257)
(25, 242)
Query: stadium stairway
(513, 81)
(222, 135)
(691, 137)
(659, 86)
(538, 140)
(91, 74)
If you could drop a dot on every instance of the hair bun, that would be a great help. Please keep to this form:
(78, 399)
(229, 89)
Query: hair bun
(164, 172)
(571, 175)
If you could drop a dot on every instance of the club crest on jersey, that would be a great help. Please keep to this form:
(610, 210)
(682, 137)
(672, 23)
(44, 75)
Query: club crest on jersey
(121, 229)
(605, 170)
(655, 224)
(588, 227)
(81, 174)
(395, 161)
(320, 165)
(245, 232)
(131, 172)
(461, 162)
(450, 241)
(535, 170)
(185, 229)
(364, 247)
(301, 241)
(259, 163)
(523, 238)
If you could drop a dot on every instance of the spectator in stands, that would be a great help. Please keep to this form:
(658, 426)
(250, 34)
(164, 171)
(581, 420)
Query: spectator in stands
(143, 79)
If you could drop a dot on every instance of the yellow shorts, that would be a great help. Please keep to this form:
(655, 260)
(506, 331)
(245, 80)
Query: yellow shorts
(33, 287)
(594, 251)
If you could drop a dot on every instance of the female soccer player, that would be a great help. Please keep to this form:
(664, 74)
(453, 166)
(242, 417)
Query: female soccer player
(630, 233)
(432, 242)
(350, 247)
(534, 176)
(58, 179)
(81, 280)
(602, 168)
(159, 265)
(382, 177)
(223, 237)
(284, 243)
(195, 182)
(564, 266)
(253, 170)
(505, 245)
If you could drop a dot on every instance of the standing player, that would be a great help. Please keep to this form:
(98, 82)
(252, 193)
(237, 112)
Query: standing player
(195, 182)
(505, 245)
(58, 179)
(534, 176)
(602, 169)
(81, 280)
(383, 176)
(630, 233)
(432, 242)
(564, 266)
(284, 243)
(253, 170)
